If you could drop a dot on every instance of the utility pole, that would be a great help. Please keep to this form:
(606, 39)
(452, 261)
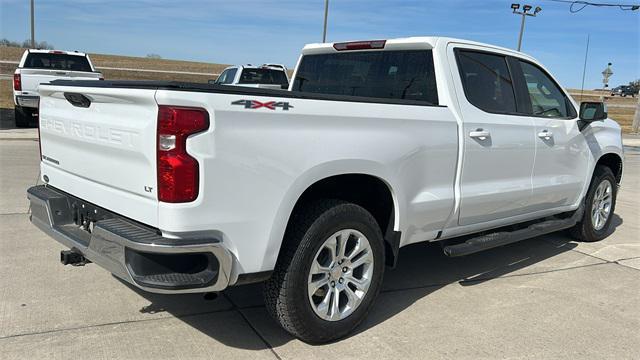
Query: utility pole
(33, 32)
(525, 12)
(326, 14)
(636, 118)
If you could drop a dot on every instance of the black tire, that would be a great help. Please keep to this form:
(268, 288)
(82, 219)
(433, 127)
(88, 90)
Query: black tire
(585, 230)
(285, 293)
(21, 117)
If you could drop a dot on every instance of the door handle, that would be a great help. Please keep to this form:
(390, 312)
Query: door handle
(545, 134)
(480, 134)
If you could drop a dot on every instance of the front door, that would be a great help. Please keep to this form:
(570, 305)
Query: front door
(562, 153)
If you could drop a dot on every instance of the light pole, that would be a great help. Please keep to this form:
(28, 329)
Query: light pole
(525, 12)
(33, 33)
(326, 14)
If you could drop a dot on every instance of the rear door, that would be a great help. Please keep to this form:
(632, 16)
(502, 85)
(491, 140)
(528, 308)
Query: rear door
(562, 153)
(499, 147)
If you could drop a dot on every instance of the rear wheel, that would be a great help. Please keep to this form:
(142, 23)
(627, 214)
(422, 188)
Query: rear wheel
(329, 272)
(599, 207)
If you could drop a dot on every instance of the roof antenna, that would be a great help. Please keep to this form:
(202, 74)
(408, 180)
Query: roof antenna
(584, 69)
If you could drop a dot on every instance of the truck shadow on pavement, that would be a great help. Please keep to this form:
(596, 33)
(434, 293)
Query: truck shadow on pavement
(422, 270)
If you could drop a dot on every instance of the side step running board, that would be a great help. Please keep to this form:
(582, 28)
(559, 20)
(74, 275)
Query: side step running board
(489, 241)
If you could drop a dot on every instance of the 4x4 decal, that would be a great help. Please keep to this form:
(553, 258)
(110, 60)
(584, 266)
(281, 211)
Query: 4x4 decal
(255, 104)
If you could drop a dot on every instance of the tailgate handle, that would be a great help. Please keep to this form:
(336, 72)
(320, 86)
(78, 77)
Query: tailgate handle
(77, 100)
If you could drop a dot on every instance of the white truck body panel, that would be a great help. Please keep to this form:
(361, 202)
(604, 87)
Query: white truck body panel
(256, 163)
(106, 152)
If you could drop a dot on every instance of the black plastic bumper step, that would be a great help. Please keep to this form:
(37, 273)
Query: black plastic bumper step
(492, 240)
(175, 279)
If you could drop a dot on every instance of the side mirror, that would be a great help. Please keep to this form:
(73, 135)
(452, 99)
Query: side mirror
(592, 111)
(284, 86)
(211, 82)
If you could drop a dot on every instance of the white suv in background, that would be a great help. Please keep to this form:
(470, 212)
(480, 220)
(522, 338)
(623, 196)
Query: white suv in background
(43, 66)
(266, 76)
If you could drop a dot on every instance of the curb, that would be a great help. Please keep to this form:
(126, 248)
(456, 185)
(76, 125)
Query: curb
(23, 134)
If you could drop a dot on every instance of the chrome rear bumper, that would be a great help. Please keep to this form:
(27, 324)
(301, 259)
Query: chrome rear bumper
(129, 250)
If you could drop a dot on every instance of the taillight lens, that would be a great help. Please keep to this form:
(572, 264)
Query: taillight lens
(178, 172)
(17, 82)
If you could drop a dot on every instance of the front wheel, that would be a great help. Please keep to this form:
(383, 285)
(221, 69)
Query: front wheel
(329, 272)
(600, 203)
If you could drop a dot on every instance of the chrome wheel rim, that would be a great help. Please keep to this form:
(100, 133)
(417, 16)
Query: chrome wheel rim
(601, 206)
(340, 275)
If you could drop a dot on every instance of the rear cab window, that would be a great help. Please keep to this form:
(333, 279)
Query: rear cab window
(53, 61)
(263, 76)
(397, 74)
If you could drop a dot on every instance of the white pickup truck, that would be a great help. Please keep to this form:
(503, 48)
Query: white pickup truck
(43, 66)
(182, 188)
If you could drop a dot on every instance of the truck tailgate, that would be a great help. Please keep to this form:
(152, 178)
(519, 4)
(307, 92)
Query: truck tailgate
(31, 78)
(103, 153)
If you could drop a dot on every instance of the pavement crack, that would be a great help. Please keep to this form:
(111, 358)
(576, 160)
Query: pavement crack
(112, 323)
(244, 317)
(473, 281)
(616, 262)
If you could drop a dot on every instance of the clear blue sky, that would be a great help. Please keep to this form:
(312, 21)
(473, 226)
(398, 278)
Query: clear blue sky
(259, 31)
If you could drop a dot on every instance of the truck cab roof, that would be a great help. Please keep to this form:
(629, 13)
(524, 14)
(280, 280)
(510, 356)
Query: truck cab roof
(407, 43)
(42, 51)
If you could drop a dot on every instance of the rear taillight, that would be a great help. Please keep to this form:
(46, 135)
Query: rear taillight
(178, 172)
(17, 82)
(360, 45)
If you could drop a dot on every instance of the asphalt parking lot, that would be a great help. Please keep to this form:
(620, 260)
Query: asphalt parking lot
(547, 297)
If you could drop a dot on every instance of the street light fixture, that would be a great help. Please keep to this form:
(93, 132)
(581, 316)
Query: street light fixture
(525, 12)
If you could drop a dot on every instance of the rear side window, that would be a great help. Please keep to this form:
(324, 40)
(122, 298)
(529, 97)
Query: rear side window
(263, 76)
(487, 81)
(376, 74)
(546, 97)
(57, 62)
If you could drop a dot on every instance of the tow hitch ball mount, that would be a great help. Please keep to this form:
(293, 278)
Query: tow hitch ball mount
(73, 257)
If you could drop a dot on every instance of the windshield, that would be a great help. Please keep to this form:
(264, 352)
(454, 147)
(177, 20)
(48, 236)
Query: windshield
(406, 74)
(57, 62)
(263, 76)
